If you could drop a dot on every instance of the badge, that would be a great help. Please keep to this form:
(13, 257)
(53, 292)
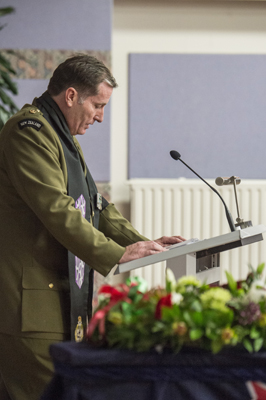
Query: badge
(79, 271)
(79, 331)
(31, 123)
(99, 201)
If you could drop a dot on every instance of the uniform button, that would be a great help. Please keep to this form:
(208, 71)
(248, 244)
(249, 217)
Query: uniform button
(51, 285)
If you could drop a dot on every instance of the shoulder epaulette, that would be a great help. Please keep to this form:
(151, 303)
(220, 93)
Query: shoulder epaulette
(31, 122)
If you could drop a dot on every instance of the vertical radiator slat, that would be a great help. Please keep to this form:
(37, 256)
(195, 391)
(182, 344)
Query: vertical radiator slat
(189, 208)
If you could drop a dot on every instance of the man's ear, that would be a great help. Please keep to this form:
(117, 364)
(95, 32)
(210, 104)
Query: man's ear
(71, 96)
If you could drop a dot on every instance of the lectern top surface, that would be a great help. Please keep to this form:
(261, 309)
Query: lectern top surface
(193, 246)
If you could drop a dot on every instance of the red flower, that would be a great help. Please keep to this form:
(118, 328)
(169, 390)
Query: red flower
(115, 295)
(98, 319)
(163, 302)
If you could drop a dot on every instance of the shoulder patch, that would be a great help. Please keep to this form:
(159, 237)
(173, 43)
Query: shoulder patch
(30, 122)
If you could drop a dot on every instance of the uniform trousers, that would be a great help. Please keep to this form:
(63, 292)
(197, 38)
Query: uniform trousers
(25, 367)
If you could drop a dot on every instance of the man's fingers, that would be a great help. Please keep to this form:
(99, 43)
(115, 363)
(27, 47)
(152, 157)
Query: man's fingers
(167, 240)
(141, 249)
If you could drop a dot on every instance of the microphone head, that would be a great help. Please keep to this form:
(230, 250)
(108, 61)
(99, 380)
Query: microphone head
(175, 155)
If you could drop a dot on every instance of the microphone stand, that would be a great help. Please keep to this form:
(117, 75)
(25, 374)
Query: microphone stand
(234, 180)
(240, 222)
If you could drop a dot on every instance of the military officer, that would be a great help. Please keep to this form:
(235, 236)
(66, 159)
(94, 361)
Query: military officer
(55, 229)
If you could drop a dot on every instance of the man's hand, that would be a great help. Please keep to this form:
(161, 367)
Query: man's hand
(141, 249)
(167, 240)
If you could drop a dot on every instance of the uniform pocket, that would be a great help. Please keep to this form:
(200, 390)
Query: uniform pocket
(45, 301)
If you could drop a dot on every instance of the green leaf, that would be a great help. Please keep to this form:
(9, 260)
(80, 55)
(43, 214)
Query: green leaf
(4, 97)
(217, 318)
(248, 345)
(168, 287)
(188, 319)
(258, 343)
(171, 314)
(260, 268)
(197, 318)
(141, 286)
(254, 333)
(4, 117)
(7, 100)
(6, 10)
(211, 334)
(231, 282)
(195, 334)
(6, 65)
(10, 85)
(196, 305)
(216, 346)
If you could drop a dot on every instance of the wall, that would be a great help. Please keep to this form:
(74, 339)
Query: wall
(176, 27)
(139, 26)
(209, 107)
(42, 35)
(45, 33)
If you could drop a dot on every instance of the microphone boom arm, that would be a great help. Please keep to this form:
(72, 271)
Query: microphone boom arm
(227, 212)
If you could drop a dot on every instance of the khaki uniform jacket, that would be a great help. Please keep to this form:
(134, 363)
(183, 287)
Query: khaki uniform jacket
(38, 222)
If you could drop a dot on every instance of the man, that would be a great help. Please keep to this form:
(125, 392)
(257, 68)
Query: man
(55, 227)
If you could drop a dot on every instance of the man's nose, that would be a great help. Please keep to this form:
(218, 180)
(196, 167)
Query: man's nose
(99, 115)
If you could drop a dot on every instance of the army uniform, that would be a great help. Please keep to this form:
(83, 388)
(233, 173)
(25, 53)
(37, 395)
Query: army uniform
(39, 223)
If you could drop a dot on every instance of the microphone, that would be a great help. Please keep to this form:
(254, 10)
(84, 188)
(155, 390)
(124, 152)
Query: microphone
(177, 156)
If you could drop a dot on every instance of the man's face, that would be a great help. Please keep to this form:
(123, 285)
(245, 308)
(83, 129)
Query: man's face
(81, 115)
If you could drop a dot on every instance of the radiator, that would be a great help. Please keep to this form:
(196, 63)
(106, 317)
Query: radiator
(190, 208)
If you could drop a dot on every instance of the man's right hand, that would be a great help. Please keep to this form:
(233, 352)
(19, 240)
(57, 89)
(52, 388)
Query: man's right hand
(141, 249)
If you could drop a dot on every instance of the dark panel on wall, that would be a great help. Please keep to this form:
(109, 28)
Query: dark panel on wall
(210, 108)
(43, 34)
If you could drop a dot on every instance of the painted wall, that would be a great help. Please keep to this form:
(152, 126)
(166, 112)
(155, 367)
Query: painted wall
(146, 26)
(209, 107)
(174, 27)
(45, 33)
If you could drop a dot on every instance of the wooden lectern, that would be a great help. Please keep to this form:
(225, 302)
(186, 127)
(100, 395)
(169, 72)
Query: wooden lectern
(199, 258)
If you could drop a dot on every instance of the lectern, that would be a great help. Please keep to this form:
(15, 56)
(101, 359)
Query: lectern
(199, 258)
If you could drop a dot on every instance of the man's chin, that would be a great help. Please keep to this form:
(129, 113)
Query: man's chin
(82, 131)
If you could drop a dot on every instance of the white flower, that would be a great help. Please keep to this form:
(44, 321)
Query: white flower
(257, 291)
(159, 348)
(170, 278)
(176, 298)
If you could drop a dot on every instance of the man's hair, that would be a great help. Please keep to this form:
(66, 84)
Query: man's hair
(82, 72)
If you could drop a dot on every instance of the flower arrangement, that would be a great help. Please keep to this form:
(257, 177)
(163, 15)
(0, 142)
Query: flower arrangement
(185, 313)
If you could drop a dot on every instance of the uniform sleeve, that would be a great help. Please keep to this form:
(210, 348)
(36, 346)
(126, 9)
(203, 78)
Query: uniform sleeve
(118, 228)
(36, 167)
